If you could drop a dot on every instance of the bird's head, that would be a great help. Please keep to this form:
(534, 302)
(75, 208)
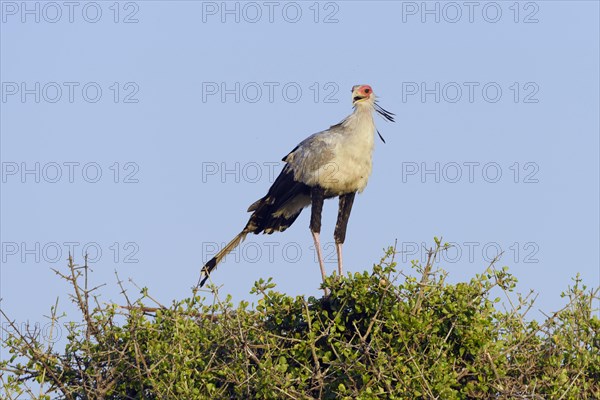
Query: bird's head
(362, 94)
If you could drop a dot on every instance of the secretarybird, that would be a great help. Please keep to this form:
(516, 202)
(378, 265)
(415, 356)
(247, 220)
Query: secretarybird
(336, 162)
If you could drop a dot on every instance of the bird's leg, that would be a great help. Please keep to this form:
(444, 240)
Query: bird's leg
(338, 249)
(320, 256)
(317, 195)
(346, 201)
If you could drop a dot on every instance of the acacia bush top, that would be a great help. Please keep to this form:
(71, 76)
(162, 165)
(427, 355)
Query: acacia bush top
(379, 334)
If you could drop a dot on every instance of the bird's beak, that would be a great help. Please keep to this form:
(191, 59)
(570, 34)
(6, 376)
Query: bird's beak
(359, 97)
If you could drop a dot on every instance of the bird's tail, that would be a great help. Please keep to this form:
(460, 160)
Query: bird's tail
(212, 263)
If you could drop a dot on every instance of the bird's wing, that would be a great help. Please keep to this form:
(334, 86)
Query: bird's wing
(280, 207)
(281, 191)
(315, 141)
(311, 160)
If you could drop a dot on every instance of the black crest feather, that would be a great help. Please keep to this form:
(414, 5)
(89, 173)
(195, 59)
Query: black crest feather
(385, 114)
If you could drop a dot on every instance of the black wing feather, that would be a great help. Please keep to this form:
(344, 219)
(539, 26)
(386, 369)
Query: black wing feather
(284, 190)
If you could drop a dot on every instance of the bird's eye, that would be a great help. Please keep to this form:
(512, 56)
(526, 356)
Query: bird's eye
(367, 90)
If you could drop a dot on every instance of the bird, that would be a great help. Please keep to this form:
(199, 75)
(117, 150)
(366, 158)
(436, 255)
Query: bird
(336, 162)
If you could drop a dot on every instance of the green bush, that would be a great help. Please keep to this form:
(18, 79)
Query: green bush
(379, 334)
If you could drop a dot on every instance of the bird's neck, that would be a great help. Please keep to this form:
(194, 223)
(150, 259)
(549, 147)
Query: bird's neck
(361, 120)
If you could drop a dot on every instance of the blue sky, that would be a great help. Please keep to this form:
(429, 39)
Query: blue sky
(141, 132)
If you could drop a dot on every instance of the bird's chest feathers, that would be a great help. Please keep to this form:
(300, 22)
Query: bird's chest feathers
(351, 165)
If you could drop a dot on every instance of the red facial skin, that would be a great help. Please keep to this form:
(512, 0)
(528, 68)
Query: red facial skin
(365, 91)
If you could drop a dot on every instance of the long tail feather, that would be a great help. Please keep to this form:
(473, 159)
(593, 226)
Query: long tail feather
(212, 263)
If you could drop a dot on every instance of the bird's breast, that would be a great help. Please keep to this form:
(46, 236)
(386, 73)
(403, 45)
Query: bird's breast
(351, 164)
